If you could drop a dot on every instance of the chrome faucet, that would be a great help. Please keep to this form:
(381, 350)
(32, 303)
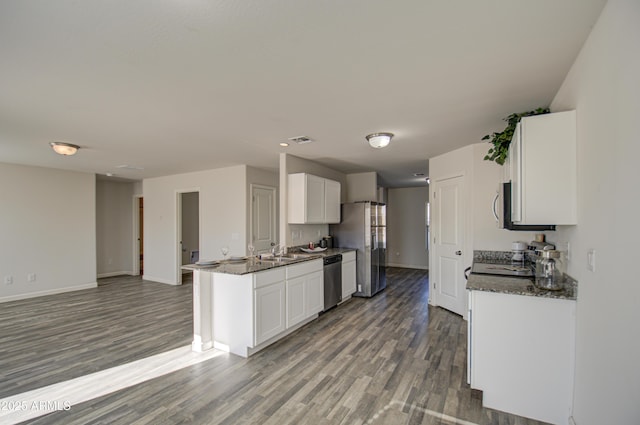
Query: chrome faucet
(275, 249)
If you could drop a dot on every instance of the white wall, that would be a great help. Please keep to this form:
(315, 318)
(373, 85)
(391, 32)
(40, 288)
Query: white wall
(406, 223)
(362, 187)
(48, 227)
(603, 87)
(114, 225)
(223, 217)
(190, 225)
(290, 164)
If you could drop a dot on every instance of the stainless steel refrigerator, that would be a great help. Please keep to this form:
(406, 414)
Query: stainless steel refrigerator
(363, 227)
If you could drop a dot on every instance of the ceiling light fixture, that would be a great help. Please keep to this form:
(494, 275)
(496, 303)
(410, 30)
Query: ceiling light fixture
(66, 149)
(379, 140)
(284, 144)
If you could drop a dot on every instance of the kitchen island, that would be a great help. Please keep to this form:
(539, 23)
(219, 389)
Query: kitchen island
(243, 306)
(521, 346)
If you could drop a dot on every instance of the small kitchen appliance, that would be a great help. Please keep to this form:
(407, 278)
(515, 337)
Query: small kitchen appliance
(548, 275)
(518, 249)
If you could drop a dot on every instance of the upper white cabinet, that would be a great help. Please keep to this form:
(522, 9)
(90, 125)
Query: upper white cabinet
(542, 170)
(313, 199)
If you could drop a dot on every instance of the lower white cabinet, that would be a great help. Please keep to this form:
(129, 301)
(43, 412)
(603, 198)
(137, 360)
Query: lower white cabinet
(269, 311)
(348, 274)
(305, 294)
(521, 354)
(295, 301)
(253, 310)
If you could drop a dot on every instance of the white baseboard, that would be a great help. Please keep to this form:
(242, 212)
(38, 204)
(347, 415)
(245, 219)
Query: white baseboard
(159, 280)
(111, 274)
(48, 292)
(408, 266)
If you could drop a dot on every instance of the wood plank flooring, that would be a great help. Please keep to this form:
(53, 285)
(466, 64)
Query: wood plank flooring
(391, 359)
(55, 338)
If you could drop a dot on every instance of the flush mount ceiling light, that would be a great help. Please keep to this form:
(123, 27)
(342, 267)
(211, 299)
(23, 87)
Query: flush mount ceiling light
(284, 144)
(379, 140)
(66, 149)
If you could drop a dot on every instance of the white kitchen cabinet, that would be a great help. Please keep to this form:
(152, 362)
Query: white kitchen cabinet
(543, 171)
(305, 295)
(331, 201)
(348, 274)
(269, 311)
(313, 199)
(521, 354)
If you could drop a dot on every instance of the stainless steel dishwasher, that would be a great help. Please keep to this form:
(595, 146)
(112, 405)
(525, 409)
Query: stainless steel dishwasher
(332, 280)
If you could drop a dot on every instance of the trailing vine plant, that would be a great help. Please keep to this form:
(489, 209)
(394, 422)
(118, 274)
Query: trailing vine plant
(501, 141)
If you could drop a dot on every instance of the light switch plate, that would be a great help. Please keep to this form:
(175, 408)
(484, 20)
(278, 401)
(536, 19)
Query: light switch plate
(591, 260)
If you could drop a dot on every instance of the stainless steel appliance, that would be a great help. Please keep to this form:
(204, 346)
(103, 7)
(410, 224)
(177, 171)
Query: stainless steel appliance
(363, 227)
(332, 280)
(502, 213)
(502, 268)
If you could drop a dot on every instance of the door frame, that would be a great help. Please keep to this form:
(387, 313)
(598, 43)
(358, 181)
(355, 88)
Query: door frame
(274, 219)
(178, 229)
(136, 242)
(466, 248)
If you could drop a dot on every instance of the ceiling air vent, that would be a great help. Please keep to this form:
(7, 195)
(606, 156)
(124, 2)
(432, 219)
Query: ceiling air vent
(129, 167)
(301, 140)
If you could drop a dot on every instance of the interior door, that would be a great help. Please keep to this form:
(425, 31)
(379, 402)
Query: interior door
(263, 217)
(448, 241)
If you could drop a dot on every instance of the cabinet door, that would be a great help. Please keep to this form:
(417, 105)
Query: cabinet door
(314, 293)
(315, 199)
(269, 311)
(348, 278)
(549, 169)
(515, 173)
(332, 201)
(295, 301)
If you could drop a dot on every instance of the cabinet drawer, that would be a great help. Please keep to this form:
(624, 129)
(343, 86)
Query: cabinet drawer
(349, 256)
(307, 267)
(268, 277)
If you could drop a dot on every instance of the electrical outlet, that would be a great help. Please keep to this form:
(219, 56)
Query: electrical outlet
(8, 280)
(31, 277)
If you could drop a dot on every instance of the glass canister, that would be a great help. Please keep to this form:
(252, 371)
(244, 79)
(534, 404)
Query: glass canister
(548, 274)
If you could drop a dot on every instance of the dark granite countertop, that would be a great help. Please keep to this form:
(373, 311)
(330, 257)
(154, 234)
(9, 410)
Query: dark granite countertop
(255, 265)
(519, 286)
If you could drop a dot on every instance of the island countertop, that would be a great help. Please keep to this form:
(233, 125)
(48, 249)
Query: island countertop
(257, 265)
(519, 286)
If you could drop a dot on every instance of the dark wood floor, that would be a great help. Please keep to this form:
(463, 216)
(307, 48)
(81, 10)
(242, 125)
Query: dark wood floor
(51, 339)
(391, 359)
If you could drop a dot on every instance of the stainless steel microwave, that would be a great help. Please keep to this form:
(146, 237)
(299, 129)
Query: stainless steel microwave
(502, 213)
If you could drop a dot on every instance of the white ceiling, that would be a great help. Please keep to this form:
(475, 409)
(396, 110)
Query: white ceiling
(174, 86)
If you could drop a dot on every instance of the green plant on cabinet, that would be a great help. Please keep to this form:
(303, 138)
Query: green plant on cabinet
(501, 140)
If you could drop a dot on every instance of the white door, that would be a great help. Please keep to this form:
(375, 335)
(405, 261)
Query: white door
(448, 235)
(263, 217)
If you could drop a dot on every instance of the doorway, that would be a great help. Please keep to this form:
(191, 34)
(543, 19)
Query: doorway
(138, 236)
(263, 217)
(448, 241)
(188, 229)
